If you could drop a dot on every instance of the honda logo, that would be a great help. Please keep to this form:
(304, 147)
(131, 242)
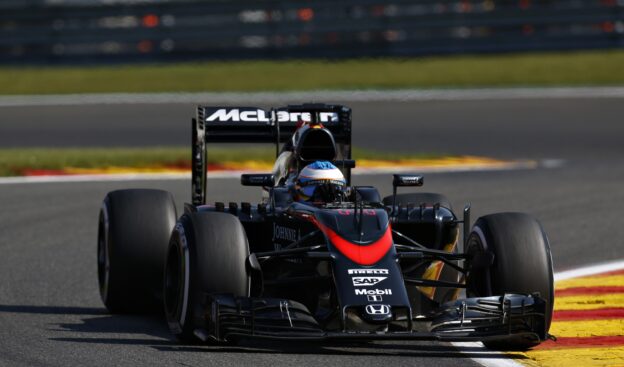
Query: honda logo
(377, 309)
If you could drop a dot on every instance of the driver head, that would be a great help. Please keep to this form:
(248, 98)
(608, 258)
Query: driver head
(320, 181)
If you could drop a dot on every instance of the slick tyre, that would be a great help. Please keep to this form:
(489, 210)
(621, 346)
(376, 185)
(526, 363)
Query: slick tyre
(133, 236)
(522, 263)
(428, 198)
(207, 254)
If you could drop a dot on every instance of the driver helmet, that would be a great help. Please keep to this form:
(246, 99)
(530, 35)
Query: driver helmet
(320, 181)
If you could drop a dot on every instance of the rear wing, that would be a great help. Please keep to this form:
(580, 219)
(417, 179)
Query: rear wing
(256, 125)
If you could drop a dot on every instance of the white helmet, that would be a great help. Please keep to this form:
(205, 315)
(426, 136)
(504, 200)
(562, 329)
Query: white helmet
(320, 181)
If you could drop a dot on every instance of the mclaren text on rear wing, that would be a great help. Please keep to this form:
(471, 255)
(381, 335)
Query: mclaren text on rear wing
(262, 117)
(257, 125)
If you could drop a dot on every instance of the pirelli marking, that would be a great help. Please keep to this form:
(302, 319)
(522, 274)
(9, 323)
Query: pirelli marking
(368, 271)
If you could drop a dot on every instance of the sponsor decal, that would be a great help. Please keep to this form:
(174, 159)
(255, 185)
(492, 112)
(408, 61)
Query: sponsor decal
(372, 292)
(377, 309)
(407, 180)
(285, 233)
(374, 298)
(411, 179)
(259, 115)
(346, 212)
(366, 281)
(368, 271)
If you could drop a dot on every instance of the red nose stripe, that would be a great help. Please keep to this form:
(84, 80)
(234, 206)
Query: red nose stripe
(360, 254)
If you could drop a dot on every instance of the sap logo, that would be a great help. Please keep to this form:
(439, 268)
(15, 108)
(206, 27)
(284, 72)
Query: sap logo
(366, 281)
(377, 309)
(368, 271)
(371, 292)
(258, 115)
(285, 233)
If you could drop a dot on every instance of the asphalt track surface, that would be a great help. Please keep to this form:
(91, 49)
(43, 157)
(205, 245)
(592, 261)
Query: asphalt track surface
(50, 312)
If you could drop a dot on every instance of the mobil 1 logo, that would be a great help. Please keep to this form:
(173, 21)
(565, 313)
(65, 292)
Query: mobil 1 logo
(373, 295)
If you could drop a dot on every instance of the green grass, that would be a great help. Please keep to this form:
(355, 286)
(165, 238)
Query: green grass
(533, 69)
(14, 162)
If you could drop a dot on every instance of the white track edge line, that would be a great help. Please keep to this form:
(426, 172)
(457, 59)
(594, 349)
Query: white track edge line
(506, 361)
(590, 270)
(502, 361)
(235, 174)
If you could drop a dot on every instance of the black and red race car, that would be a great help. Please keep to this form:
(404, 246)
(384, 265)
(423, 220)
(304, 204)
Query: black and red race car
(355, 267)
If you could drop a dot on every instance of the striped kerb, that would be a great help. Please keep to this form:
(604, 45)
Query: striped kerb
(588, 322)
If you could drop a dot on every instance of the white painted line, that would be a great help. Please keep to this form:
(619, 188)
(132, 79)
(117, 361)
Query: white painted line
(590, 270)
(493, 359)
(93, 178)
(311, 96)
(236, 174)
(503, 166)
(569, 274)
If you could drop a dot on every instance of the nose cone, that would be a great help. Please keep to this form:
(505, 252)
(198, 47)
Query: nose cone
(364, 239)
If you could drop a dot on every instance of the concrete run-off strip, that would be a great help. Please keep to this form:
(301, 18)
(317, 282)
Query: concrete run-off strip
(320, 95)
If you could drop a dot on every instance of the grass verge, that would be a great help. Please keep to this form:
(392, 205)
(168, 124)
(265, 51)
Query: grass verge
(530, 69)
(20, 161)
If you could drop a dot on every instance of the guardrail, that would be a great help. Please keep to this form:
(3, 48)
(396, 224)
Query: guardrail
(74, 31)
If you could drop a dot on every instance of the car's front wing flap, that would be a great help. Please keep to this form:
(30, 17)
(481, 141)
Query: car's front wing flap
(470, 319)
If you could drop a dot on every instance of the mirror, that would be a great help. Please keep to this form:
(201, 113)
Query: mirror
(407, 180)
(257, 179)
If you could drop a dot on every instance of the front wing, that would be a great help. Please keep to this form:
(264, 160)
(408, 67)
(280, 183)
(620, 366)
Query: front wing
(470, 319)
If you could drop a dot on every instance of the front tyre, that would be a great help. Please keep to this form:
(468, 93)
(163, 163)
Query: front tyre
(522, 264)
(207, 254)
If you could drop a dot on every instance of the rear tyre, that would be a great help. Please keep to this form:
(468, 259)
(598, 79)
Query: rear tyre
(428, 198)
(522, 264)
(133, 235)
(207, 254)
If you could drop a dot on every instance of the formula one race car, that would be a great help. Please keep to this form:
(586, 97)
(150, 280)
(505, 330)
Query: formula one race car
(318, 258)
